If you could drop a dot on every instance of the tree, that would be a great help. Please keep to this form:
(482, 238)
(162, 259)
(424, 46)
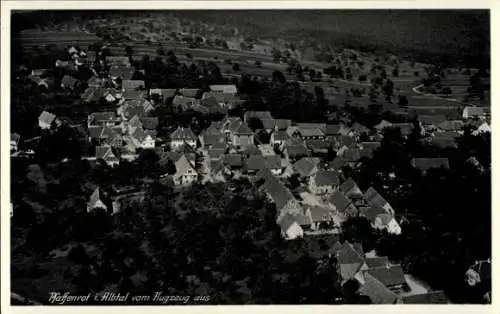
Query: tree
(395, 72)
(255, 123)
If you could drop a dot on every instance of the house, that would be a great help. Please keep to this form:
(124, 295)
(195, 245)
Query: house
(278, 137)
(103, 118)
(442, 141)
(124, 73)
(380, 219)
(373, 198)
(241, 135)
(479, 272)
(350, 261)
(350, 189)
(111, 136)
(324, 181)
(353, 156)
(266, 149)
(162, 93)
(424, 164)
(335, 131)
(318, 146)
(229, 89)
(285, 202)
(106, 154)
(68, 82)
(430, 122)
(295, 149)
(308, 131)
(373, 262)
(132, 84)
(470, 112)
(133, 94)
(46, 119)
(290, 228)
(233, 161)
(376, 291)
(358, 129)
(450, 125)
(390, 276)
(256, 163)
(95, 202)
(150, 123)
(14, 141)
(185, 173)
(337, 164)
(193, 93)
(342, 204)
(210, 137)
(183, 102)
(483, 128)
(143, 139)
(432, 297)
(306, 166)
(182, 136)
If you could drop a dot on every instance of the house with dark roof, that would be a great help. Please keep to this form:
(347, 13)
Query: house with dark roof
(163, 93)
(295, 148)
(255, 163)
(285, 202)
(350, 189)
(334, 133)
(324, 181)
(374, 262)
(390, 276)
(290, 228)
(372, 197)
(342, 205)
(194, 93)
(450, 126)
(95, 201)
(106, 154)
(424, 164)
(219, 172)
(46, 119)
(307, 166)
(111, 136)
(121, 72)
(229, 89)
(182, 136)
(308, 131)
(133, 94)
(380, 219)
(350, 261)
(103, 118)
(69, 82)
(358, 129)
(132, 84)
(278, 138)
(376, 291)
(233, 161)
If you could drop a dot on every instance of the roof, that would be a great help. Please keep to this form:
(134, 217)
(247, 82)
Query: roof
(130, 94)
(318, 213)
(150, 123)
(374, 198)
(431, 119)
(183, 101)
(337, 129)
(268, 123)
(132, 84)
(259, 162)
(306, 166)
(95, 131)
(383, 124)
(388, 276)
(68, 81)
(295, 150)
(224, 88)
(304, 126)
(139, 134)
(370, 145)
(102, 116)
(451, 125)
(286, 222)
(406, 128)
(123, 72)
(183, 134)
(46, 117)
(372, 212)
(278, 193)
(377, 291)
(190, 92)
(349, 254)
(182, 165)
(118, 60)
(325, 177)
(243, 129)
(233, 160)
(337, 163)
(280, 136)
(339, 200)
(104, 152)
(310, 132)
(433, 297)
(443, 141)
(94, 197)
(428, 163)
(163, 92)
(359, 128)
(377, 261)
(474, 111)
(282, 124)
(351, 189)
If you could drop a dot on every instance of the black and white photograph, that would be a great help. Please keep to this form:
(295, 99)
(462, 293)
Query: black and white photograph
(249, 157)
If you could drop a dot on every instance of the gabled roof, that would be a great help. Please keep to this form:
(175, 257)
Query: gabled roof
(337, 163)
(339, 200)
(351, 189)
(182, 165)
(268, 123)
(372, 212)
(377, 291)
(370, 145)
(130, 94)
(190, 92)
(94, 198)
(243, 129)
(431, 119)
(443, 141)
(306, 166)
(135, 121)
(325, 177)
(296, 148)
(337, 129)
(183, 134)
(118, 60)
(286, 222)
(474, 111)
(377, 262)
(123, 72)
(46, 117)
(130, 111)
(433, 297)
(132, 84)
(150, 123)
(375, 199)
(388, 276)
(95, 131)
(310, 132)
(305, 126)
(233, 160)
(104, 152)
(69, 81)
(359, 128)
(102, 116)
(139, 134)
(183, 101)
(349, 254)
(318, 213)
(109, 133)
(280, 136)
(428, 163)
(278, 193)
(451, 125)
(382, 125)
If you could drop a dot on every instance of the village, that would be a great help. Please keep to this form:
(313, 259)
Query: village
(299, 166)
